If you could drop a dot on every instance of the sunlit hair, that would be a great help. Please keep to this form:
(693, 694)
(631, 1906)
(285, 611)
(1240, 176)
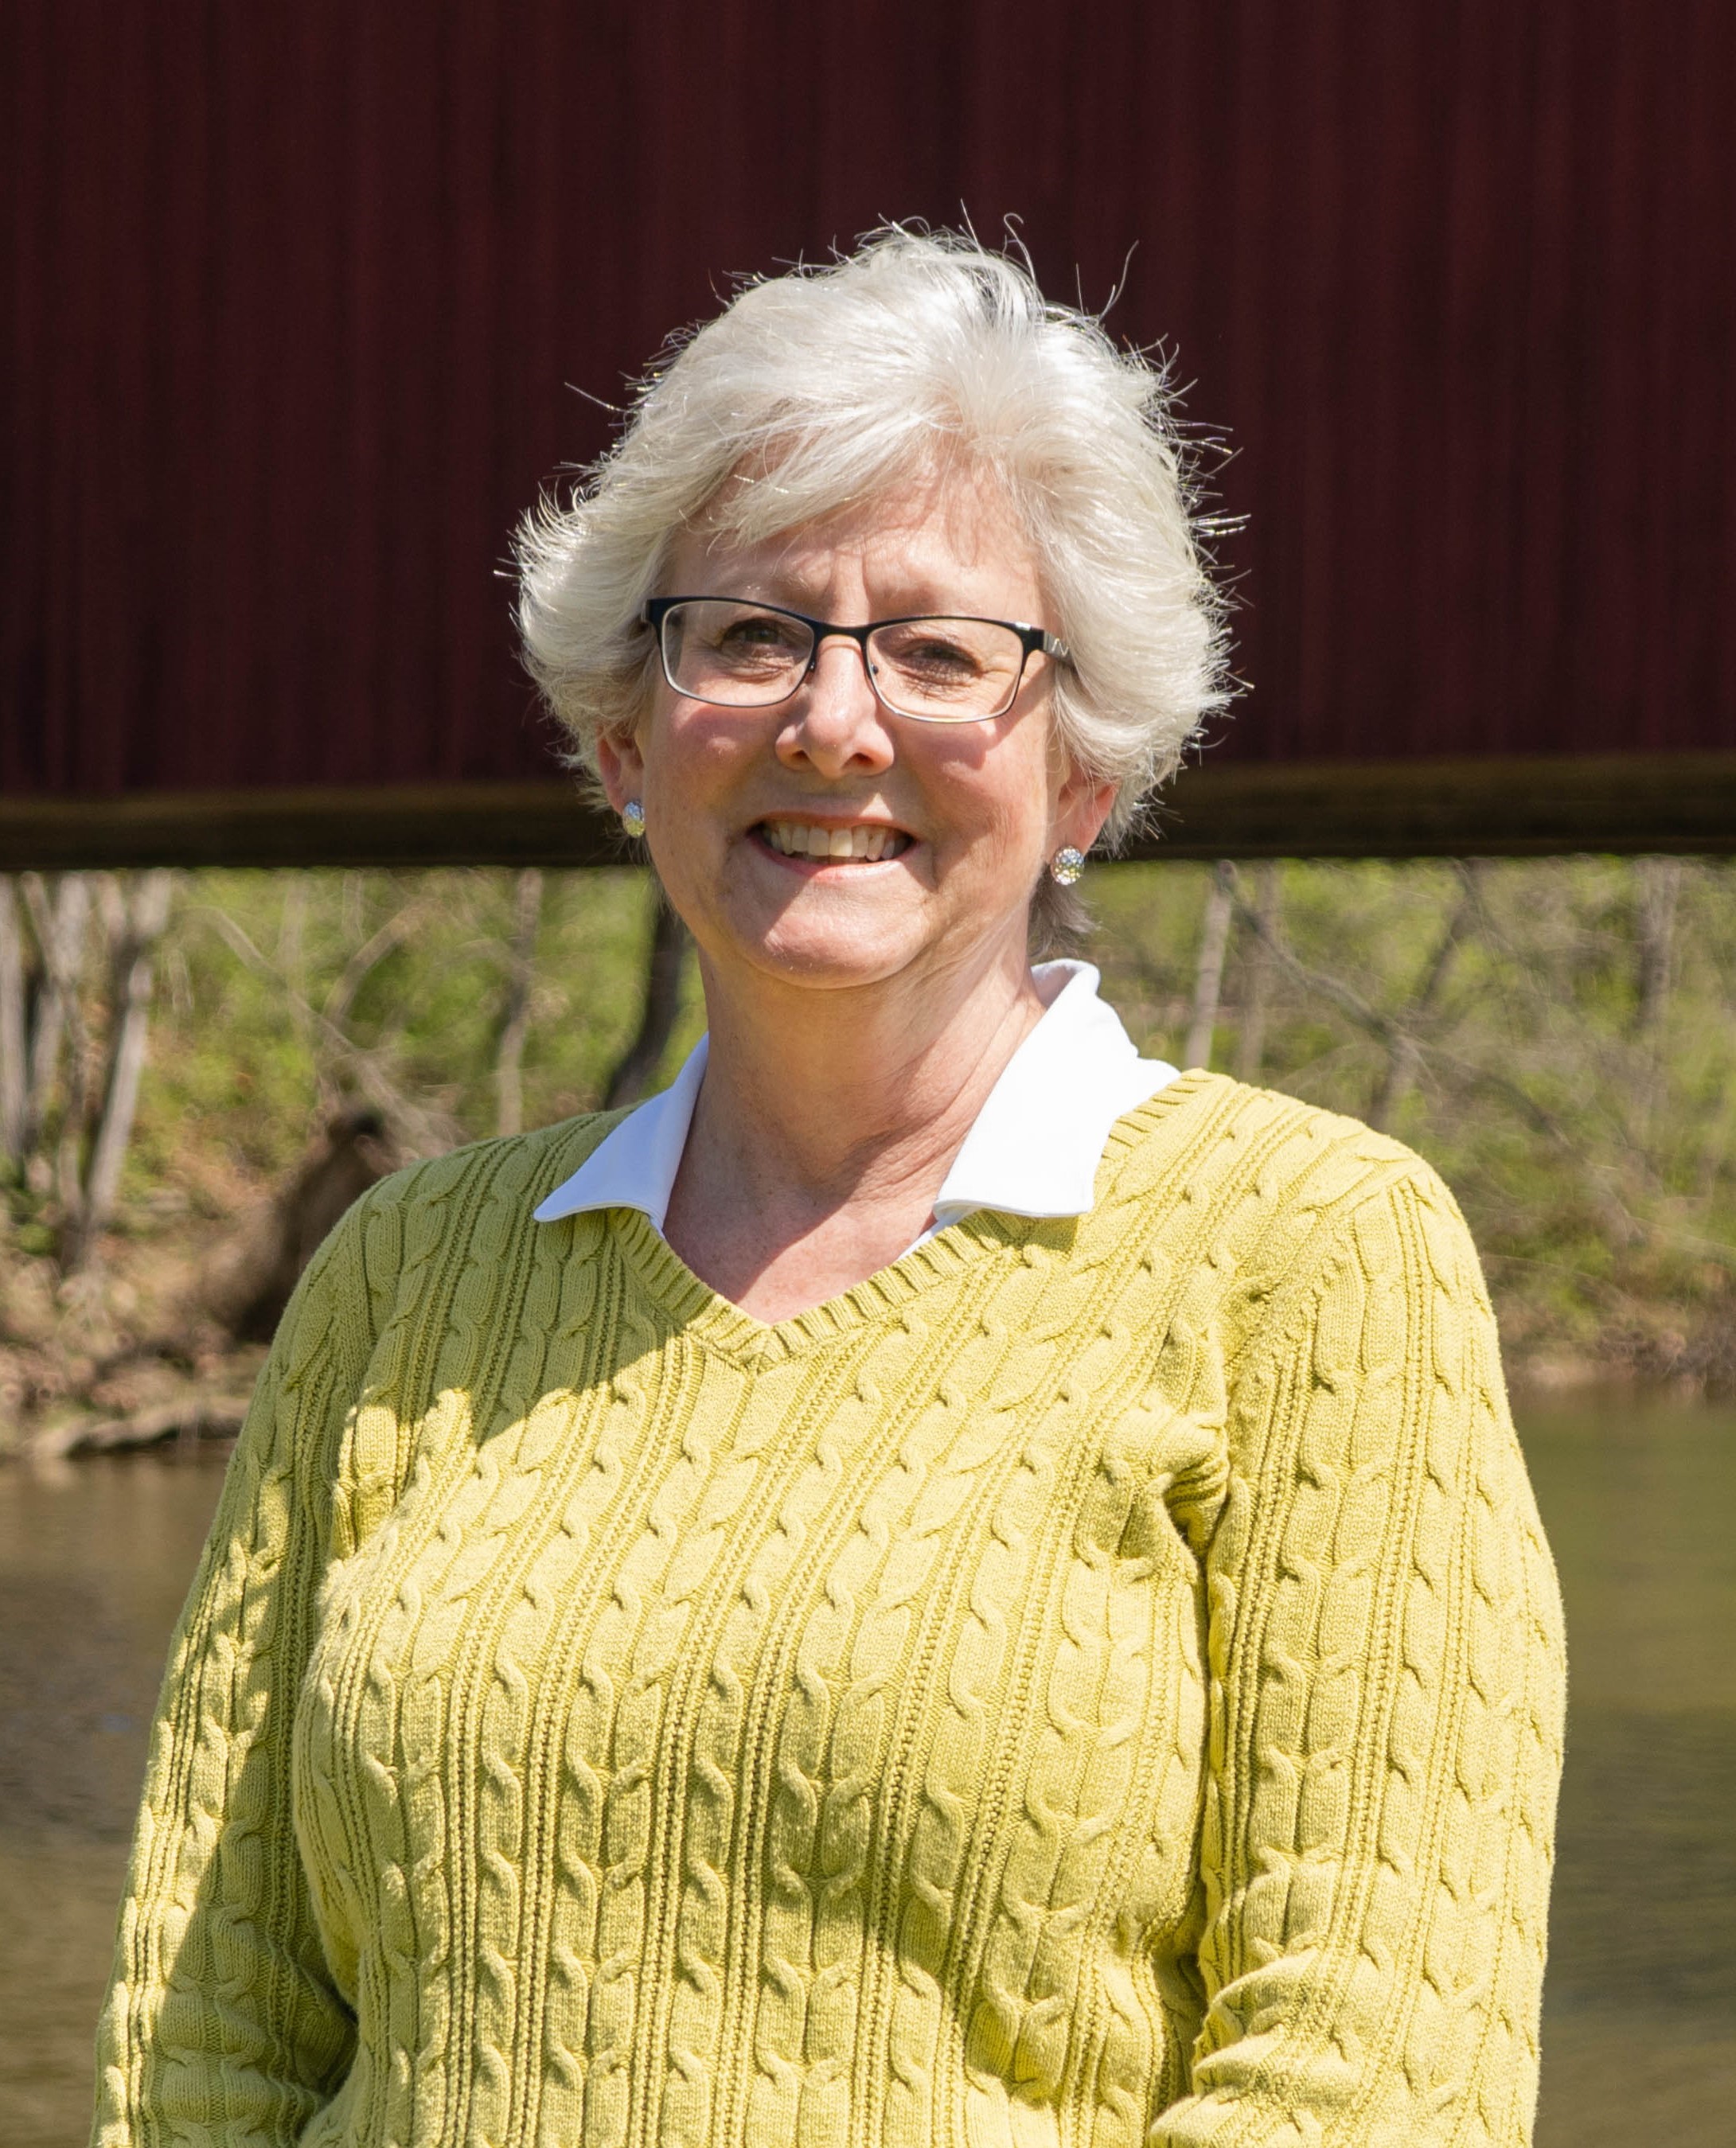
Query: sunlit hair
(824, 387)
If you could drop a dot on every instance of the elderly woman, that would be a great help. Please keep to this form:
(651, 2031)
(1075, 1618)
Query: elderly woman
(939, 1582)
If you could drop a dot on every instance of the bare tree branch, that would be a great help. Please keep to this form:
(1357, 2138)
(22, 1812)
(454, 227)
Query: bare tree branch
(291, 957)
(1394, 1036)
(1404, 1062)
(372, 953)
(415, 1129)
(1317, 982)
(1621, 1225)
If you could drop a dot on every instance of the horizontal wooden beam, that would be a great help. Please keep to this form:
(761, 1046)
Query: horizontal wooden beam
(1534, 807)
(452, 824)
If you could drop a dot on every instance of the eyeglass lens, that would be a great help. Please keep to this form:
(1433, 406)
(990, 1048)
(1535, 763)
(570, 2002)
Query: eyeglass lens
(745, 656)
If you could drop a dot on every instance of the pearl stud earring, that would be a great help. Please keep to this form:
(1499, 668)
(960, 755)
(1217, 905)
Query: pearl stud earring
(633, 819)
(1066, 864)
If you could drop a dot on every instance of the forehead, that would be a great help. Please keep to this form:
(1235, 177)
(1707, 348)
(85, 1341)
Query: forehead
(943, 539)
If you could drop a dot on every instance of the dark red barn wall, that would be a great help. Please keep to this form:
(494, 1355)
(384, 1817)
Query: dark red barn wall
(296, 299)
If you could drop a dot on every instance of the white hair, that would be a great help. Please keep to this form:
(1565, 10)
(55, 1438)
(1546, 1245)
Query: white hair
(824, 386)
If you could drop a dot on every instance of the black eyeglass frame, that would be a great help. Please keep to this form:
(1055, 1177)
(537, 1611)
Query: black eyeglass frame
(1032, 640)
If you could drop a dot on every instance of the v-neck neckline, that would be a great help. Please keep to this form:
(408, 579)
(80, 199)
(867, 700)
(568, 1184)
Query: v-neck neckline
(721, 1325)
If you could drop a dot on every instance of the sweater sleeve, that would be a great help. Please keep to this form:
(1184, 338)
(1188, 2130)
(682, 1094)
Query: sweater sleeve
(1387, 1676)
(222, 2022)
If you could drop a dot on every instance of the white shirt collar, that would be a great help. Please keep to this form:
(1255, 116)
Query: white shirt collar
(1033, 1151)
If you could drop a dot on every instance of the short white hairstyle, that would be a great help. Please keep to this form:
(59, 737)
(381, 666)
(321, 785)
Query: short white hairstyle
(824, 386)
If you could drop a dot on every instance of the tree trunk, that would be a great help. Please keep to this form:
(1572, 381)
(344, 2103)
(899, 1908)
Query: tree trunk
(1208, 979)
(1251, 1042)
(1660, 887)
(141, 923)
(59, 926)
(663, 959)
(515, 1027)
(13, 1086)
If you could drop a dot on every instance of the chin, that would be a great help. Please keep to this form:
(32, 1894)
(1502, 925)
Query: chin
(827, 955)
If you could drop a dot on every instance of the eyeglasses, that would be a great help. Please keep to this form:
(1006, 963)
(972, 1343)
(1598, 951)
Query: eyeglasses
(939, 669)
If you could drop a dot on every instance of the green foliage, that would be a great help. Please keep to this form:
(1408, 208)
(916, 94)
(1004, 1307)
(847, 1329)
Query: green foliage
(1585, 1117)
(245, 1057)
(1588, 1130)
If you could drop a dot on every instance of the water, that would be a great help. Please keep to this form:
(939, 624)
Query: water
(1640, 2022)
(94, 1559)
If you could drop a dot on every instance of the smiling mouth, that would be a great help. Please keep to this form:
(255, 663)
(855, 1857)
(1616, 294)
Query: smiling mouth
(865, 844)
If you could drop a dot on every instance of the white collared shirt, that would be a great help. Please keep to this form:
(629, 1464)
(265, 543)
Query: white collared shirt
(1033, 1149)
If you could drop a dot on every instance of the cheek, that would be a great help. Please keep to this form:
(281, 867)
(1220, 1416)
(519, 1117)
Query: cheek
(1001, 800)
(692, 755)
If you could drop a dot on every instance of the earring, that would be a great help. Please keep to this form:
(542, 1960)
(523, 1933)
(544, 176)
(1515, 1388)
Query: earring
(1066, 864)
(633, 819)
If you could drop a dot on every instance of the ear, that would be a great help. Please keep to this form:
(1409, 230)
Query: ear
(1082, 804)
(621, 766)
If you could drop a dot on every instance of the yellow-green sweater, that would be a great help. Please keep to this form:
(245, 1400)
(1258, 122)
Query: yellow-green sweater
(1094, 1682)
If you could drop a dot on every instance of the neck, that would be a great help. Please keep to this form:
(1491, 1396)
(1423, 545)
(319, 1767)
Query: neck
(828, 1119)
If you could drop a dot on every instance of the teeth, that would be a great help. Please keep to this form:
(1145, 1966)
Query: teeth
(862, 841)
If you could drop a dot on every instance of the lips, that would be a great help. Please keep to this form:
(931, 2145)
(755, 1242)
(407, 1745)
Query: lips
(864, 842)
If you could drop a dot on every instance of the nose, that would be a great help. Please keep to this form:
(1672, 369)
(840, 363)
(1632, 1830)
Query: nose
(835, 723)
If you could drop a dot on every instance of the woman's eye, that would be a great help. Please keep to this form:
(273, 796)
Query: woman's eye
(754, 636)
(938, 656)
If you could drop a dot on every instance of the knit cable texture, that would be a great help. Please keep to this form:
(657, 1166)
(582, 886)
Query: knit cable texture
(1092, 1683)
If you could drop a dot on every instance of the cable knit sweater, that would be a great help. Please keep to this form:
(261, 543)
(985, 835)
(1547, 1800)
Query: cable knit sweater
(1094, 1682)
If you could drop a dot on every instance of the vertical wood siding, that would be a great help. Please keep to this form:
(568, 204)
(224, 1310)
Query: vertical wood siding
(294, 301)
